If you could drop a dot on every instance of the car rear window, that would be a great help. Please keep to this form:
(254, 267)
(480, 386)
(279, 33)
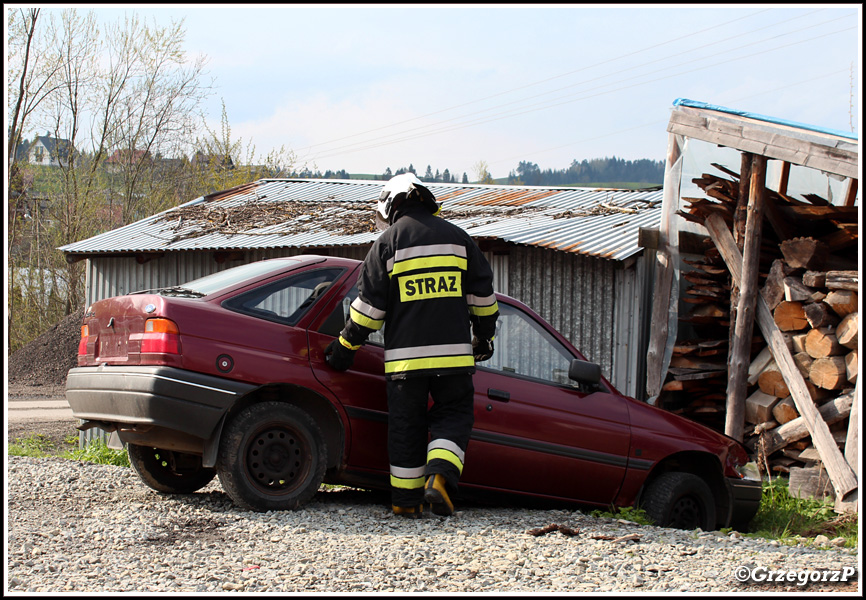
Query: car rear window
(223, 279)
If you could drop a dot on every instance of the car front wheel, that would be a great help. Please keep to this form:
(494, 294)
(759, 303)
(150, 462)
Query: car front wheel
(272, 457)
(680, 500)
(168, 471)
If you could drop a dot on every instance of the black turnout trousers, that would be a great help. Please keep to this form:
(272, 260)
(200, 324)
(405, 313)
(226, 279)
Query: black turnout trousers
(448, 421)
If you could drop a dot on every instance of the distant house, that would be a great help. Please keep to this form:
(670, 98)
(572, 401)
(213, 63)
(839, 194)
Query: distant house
(50, 151)
(201, 159)
(125, 156)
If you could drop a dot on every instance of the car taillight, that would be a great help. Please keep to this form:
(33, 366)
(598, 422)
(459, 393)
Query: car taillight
(160, 336)
(82, 343)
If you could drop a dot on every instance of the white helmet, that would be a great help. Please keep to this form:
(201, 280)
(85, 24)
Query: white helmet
(398, 189)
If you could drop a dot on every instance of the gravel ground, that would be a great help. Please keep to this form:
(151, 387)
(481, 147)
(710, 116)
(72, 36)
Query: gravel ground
(82, 527)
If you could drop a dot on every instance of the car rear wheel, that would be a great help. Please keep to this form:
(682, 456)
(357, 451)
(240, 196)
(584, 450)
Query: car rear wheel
(272, 457)
(680, 500)
(168, 471)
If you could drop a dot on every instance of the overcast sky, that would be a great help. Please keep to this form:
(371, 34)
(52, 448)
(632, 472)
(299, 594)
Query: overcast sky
(365, 87)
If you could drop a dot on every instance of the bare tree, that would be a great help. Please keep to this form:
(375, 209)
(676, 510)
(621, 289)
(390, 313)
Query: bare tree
(128, 87)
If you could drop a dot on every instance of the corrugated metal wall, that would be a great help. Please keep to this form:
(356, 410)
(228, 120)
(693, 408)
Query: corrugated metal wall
(108, 276)
(601, 306)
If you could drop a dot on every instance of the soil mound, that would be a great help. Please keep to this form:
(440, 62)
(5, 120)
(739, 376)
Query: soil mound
(46, 360)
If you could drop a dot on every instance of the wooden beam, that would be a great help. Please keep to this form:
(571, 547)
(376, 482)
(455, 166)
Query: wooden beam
(852, 452)
(844, 479)
(741, 345)
(851, 194)
(662, 324)
(783, 177)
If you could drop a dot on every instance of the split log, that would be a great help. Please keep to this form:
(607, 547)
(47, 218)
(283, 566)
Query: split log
(795, 290)
(821, 343)
(819, 314)
(774, 289)
(847, 330)
(709, 310)
(758, 364)
(843, 280)
(829, 373)
(803, 362)
(844, 302)
(784, 411)
(810, 482)
(759, 407)
(771, 381)
(798, 342)
(810, 455)
(814, 279)
(805, 253)
(832, 412)
(851, 366)
(790, 316)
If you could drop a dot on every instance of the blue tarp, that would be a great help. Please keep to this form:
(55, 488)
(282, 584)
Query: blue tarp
(742, 113)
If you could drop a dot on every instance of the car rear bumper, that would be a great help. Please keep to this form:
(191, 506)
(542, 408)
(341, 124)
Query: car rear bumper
(745, 500)
(152, 397)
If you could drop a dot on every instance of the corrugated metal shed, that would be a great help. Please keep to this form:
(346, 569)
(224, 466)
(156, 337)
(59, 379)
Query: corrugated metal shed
(301, 213)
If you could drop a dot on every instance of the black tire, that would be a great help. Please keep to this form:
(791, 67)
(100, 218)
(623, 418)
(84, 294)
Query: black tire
(272, 457)
(168, 471)
(680, 500)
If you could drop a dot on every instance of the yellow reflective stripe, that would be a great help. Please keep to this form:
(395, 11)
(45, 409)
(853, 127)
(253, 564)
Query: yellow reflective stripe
(445, 455)
(407, 484)
(437, 362)
(346, 343)
(428, 262)
(365, 321)
(483, 311)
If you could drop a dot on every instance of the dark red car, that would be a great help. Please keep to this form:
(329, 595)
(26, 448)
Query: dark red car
(226, 376)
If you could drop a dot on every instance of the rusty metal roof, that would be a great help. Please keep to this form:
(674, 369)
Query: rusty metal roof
(280, 213)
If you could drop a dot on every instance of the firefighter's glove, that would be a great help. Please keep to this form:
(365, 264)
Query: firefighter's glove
(482, 349)
(338, 356)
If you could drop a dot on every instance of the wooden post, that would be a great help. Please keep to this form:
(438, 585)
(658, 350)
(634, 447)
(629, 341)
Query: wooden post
(663, 324)
(843, 477)
(741, 342)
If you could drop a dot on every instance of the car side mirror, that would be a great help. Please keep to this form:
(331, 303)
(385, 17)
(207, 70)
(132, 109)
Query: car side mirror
(586, 374)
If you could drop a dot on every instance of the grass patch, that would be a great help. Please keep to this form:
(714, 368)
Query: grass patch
(98, 452)
(787, 519)
(628, 513)
(34, 446)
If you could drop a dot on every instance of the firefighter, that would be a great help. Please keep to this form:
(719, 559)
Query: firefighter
(428, 280)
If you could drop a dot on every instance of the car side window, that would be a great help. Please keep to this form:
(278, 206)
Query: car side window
(377, 337)
(287, 300)
(523, 347)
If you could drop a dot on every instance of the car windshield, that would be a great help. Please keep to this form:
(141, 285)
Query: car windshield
(223, 279)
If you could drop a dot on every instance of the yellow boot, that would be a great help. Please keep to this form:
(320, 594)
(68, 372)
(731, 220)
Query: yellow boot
(411, 512)
(436, 495)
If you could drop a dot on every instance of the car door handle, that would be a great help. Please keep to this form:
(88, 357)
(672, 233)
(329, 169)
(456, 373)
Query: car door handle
(500, 395)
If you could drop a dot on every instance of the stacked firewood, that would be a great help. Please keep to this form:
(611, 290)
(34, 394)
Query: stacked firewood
(808, 277)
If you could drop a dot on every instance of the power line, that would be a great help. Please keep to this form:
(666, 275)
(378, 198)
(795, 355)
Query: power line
(370, 144)
(663, 121)
(642, 50)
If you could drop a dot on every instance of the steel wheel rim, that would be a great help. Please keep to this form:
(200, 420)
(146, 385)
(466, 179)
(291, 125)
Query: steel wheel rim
(686, 513)
(277, 459)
